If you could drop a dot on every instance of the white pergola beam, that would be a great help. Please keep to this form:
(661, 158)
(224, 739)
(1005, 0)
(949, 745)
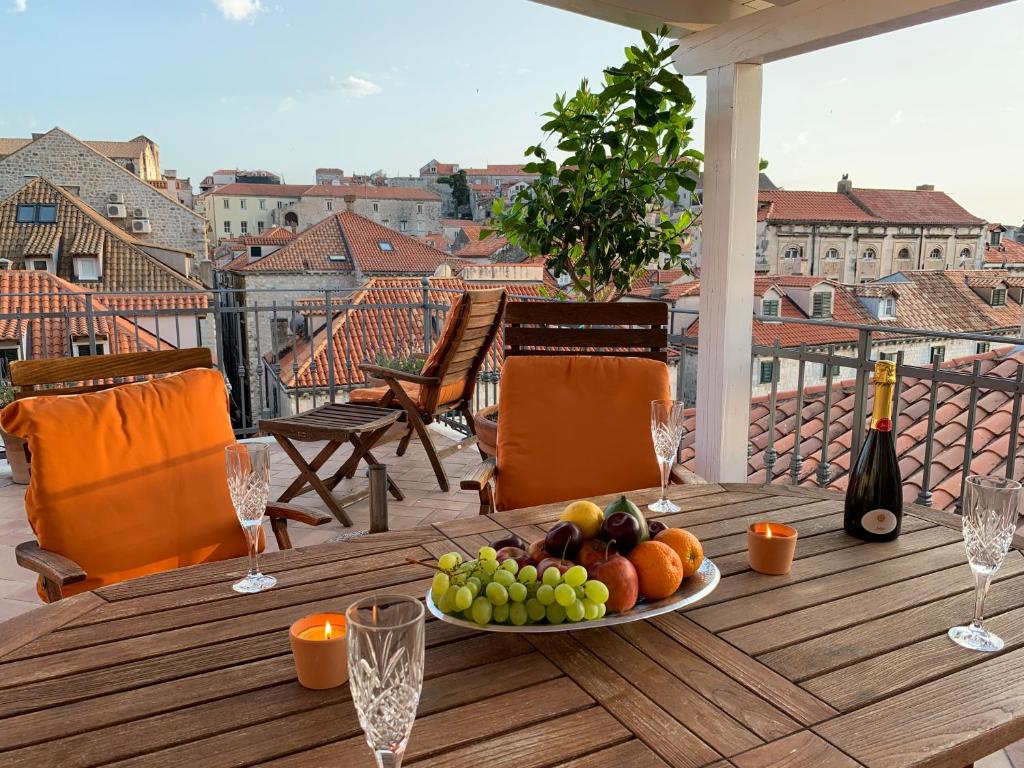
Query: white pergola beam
(807, 25)
(681, 16)
(729, 233)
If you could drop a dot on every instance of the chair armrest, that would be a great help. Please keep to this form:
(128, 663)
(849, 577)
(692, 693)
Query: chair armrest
(284, 511)
(480, 476)
(51, 566)
(390, 373)
(682, 476)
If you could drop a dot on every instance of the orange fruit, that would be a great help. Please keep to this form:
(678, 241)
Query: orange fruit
(658, 568)
(686, 545)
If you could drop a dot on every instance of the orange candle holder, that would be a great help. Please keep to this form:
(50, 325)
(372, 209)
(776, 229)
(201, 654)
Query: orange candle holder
(320, 661)
(770, 547)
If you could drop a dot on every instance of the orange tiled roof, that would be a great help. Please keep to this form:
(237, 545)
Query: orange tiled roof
(360, 334)
(261, 190)
(944, 301)
(272, 236)
(993, 426)
(499, 170)
(24, 293)
(914, 206)
(1007, 252)
(486, 247)
(372, 192)
(359, 240)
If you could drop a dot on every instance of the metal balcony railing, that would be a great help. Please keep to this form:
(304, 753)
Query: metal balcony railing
(284, 350)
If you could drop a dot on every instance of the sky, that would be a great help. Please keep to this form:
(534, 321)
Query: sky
(290, 85)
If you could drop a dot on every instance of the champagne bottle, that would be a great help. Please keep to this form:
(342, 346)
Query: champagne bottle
(874, 495)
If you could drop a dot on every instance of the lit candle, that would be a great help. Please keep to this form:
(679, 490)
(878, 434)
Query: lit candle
(770, 547)
(320, 650)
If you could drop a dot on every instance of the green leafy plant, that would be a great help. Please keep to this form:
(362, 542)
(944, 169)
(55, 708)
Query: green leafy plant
(6, 393)
(460, 191)
(402, 361)
(599, 215)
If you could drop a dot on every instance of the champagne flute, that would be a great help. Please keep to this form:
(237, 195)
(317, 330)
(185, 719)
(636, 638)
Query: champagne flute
(385, 670)
(989, 519)
(666, 432)
(248, 467)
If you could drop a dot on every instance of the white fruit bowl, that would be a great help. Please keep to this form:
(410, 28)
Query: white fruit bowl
(695, 588)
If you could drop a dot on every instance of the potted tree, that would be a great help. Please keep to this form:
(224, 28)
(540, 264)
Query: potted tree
(600, 217)
(14, 447)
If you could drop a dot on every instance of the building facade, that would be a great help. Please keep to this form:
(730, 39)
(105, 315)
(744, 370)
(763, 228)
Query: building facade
(128, 202)
(140, 156)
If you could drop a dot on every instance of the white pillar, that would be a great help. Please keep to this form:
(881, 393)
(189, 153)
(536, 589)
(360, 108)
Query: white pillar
(728, 241)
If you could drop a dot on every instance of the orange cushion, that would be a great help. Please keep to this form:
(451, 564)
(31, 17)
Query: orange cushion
(131, 480)
(575, 427)
(382, 396)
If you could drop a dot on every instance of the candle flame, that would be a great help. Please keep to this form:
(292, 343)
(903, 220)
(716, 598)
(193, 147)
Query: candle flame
(767, 531)
(327, 630)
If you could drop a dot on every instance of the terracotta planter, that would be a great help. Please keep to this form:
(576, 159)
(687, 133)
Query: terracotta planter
(17, 457)
(486, 423)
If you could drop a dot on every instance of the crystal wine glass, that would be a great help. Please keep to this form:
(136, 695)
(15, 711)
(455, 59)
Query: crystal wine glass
(666, 431)
(990, 516)
(248, 466)
(385, 670)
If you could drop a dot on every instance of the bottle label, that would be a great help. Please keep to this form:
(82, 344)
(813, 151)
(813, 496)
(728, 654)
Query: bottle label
(879, 521)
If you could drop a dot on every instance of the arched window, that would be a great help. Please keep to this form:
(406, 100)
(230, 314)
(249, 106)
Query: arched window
(832, 253)
(936, 253)
(792, 253)
(903, 254)
(291, 219)
(869, 254)
(965, 256)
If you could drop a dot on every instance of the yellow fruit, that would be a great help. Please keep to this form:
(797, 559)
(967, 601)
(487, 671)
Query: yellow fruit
(586, 515)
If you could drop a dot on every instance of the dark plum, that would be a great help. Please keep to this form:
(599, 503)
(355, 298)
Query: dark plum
(622, 530)
(510, 541)
(655, 527)
(563, 540)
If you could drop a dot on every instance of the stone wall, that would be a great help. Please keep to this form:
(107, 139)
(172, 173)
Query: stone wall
(421, 216)
(67, 162)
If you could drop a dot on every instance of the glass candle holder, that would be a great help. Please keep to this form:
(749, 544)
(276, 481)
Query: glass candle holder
(770, 547)
(320, 650)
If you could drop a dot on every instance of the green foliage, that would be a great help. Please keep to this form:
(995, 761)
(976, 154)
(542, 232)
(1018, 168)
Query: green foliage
(598, 216)
(404, 362)
(460, 190)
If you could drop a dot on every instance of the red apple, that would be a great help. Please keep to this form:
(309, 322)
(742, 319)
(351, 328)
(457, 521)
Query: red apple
(593, 551)
(619, 575)
(536, 551)
(553, 562)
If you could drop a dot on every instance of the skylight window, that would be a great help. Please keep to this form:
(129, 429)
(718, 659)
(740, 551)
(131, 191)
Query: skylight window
(385, 245)
(337, 257)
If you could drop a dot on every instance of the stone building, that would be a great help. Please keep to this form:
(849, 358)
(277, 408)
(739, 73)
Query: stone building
(45, 228)
(243, 209)
(140, 155)
(128, 202)
(226, 176)
(858, 235)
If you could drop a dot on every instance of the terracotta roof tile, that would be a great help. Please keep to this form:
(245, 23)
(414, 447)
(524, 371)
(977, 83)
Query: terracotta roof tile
(786, 205)
(486, 247)
(1007, 252)
(499, 170)
(914, 206)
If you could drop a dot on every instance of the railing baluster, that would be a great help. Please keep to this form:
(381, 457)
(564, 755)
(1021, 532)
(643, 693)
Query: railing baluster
(427, 336)
(924, 496)
(328, 299)
(243, 393)
(860, 391)
(972, 417)
(156, 327)
(797, 462)
(897, 391)
(90, 323)
(824, 473)
(219, 327)
(177, 330)
(1011, 449)
(769, 451)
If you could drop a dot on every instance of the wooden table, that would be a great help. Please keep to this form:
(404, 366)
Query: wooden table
(844, 662)
(336, 423)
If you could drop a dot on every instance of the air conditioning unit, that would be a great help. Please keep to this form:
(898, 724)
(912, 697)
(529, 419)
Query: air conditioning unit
(115, 197)
(141, 227)
(140, 213)
(115, 211)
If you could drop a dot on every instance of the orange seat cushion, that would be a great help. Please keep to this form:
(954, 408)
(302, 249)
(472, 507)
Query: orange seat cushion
(131, 480)
(383, 396)
(572, 427)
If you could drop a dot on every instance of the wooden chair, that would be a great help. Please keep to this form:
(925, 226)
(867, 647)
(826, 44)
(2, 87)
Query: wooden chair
(75, 375)
(543, 329)
(448, 379)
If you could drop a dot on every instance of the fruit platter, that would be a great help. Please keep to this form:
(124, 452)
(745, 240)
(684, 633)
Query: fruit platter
(593, 568)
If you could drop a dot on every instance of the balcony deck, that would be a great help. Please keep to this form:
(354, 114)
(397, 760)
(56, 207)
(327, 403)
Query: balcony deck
(424, 504)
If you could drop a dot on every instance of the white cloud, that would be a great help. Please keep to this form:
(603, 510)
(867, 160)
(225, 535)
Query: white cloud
(355, 86)
(896, 118)
(287, 104)
(239, 10)
(20, 6)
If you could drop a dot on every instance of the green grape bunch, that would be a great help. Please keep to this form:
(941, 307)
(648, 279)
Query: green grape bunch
(485, 591)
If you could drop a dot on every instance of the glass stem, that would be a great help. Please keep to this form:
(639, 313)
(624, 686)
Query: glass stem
(253, 535)
(389, 759)
(982, 581)
(666, 468)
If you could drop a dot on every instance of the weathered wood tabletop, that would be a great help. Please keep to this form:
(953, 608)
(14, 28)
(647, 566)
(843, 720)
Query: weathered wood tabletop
(843, 662)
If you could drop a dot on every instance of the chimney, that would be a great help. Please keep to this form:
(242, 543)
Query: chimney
(925, 187)
(350, 203)
(845, 186)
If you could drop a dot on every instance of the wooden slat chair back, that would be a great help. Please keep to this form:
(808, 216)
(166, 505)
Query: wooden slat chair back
(620, 329)
(72, 375)
(75, 375)
(448, 379)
